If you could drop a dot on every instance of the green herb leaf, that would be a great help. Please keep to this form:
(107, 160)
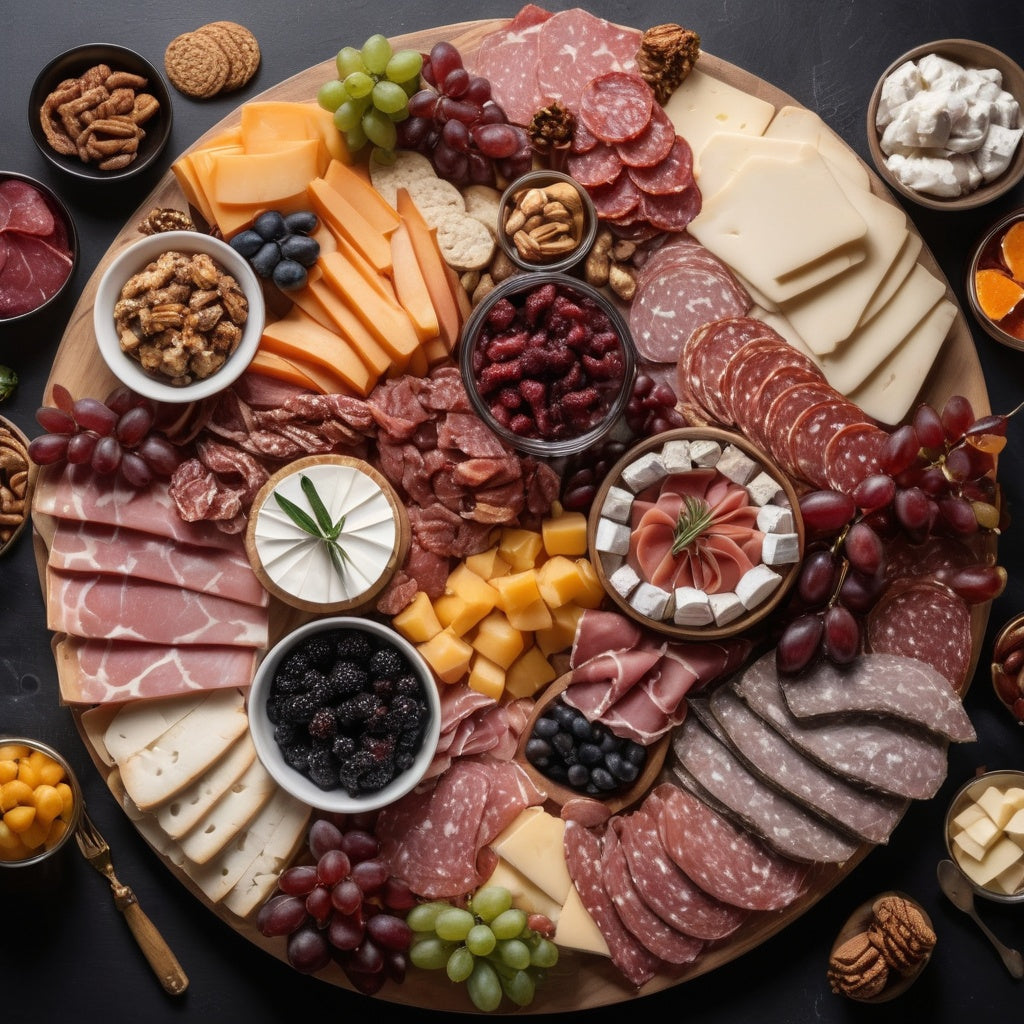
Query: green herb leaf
(323, 517)
(694, 518)
(298, 516)
(338, 557)
(322, 528)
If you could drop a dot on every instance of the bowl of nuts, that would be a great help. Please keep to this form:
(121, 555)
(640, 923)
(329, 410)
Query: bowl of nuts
(548, 363)
(178, 316)
(100, 112)
(546, 221)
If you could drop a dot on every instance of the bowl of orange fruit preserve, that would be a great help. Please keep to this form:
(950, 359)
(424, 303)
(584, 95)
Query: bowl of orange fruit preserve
(995, 280)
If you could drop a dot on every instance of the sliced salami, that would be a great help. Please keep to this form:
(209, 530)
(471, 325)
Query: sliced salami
(616, 106)
(582, 140)
(668, 944)
(885, 754)
(714, 772)
(583, 858)
(653, 144)
(616, 200)
(929, 623)
(751, 367)
(708, 354)
(852, 454)
(779, 417)
(728, 862)
(672, 212)
(597, 166)
(868, 815)
(905, 560)
(672, 175)
(813, 429)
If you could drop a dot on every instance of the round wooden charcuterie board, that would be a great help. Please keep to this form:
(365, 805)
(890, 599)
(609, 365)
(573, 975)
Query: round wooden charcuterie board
(579, 981)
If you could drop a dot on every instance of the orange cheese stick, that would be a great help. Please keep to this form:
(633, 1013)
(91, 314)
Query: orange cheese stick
(270, 364)
(410, 286)
(349, 223)
(360, 193)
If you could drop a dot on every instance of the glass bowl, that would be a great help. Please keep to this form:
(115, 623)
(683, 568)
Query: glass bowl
(993, 284)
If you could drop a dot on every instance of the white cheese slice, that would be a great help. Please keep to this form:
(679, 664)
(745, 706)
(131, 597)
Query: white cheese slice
(525, 894)
(784, 225)
(184, 752)
(725, 154)
(703, 106)
(139, 723)
(798, 124)
(95, 722)
(888, 394)
(182, 812)
(576, 928)
(895, 276)
(536, 849)
(151, 831)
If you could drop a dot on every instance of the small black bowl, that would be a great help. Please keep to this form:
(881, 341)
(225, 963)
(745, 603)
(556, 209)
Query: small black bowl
(75, 62)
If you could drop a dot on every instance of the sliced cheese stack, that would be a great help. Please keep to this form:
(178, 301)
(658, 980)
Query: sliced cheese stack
(187, 774)
(833, 267)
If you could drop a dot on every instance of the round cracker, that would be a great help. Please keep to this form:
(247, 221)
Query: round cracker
(484, 203)
(196, 65)
(242, 48)
(407, 168)
(465, 243)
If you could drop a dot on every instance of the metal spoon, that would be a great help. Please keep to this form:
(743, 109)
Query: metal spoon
(960, 894)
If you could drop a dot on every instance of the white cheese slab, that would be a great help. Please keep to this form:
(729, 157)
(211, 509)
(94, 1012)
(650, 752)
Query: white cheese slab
(138, 724)
(905, 261)
(799, 124)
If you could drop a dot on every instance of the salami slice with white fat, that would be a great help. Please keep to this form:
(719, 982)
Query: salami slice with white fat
(708, 354)
(779, 417)
(727, 862)
(852, 454)
(813, 428)
(750, 368)
(616, 200)
(671, 212)
(597, 166)
(663, 886)
(670, 176)
(616, 106)
(653, 144)
(583, 858)
(927, 622)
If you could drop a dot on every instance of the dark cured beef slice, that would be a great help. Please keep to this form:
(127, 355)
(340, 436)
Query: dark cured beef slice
(653, 144)
(616, 106)
(888, 755)
(714, 771)
(663, 886)
(24, 209)
(726, 861)
(32, 273)
(889, 683)
(869, 815)
(639, 920)
(583, 858)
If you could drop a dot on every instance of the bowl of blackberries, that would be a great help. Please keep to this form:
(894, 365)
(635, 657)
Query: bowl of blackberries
(345, 714)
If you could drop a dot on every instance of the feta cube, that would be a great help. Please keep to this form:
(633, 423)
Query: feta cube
(725, 608)
(650, 601)
(693, 608)
(624, 580)
(757, 585)
(763, 489)
(737, 466)
(646, 470)
(618, 503)
(775, 519)
(780, 549)
(675, 456)
(705, 453)
(612, 537)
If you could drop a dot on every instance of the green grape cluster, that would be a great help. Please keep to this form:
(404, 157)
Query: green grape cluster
(371, 94)
(488, 945)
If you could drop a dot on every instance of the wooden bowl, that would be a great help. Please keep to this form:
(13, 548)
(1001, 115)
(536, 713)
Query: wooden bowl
(968, 54)
(711, 631)
(559, 794)
(15, 444)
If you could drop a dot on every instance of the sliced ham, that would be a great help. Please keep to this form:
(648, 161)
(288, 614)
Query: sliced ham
(598, 631)
(113, 608)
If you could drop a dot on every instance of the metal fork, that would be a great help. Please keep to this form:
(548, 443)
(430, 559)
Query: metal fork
(164, 963)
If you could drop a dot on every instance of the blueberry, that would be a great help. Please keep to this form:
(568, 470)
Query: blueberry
(545, 726)
(602, 778)
(563, 743)
(270, 226)
(302, 222)
(266, 259)
(289, 275)
(247, 243)
(538, 751)
(578, 776)
(589, 754)
(301, 249)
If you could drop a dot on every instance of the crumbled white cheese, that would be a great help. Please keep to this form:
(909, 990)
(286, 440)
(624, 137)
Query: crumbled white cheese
(736, 465)
(675, 456)
(617, 504)
(763, 489)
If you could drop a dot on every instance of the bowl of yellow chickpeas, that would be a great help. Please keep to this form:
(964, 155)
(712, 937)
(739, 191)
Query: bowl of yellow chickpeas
(40, 802)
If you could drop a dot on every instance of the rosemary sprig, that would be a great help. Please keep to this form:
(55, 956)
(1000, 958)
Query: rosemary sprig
(694, 518)
(321, 527)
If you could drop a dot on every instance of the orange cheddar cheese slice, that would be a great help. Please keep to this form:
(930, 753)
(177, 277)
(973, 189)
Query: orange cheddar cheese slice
(299, 338)
(253, 179)
(378, 282)
(348, 222)
(356, 188)
(410, 286)
(270, 364)
(230, 219)
(265, 124)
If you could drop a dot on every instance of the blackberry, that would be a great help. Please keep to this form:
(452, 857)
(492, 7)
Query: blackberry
(274, 709)
(298, 709)
(376, 778)
(380, 748)
(347, 679)
(404, 760)
(408, 740)
(355, 645)
(383, 688)
(297, 756)
(381, 722)
(294, 667)
(320, 651)
(323, 725)
(343, 747)
(387, 663)
(357, 710)
(285, 734)
(351, 768)
(408, 710)
(407, 685)
(319, 688)
(323, 768)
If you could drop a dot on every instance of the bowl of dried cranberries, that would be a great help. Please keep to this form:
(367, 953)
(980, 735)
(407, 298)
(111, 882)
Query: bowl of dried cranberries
(548, 363)
(345, 714)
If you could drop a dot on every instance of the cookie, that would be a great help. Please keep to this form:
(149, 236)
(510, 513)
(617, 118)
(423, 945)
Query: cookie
(196, 65)
(241, 47)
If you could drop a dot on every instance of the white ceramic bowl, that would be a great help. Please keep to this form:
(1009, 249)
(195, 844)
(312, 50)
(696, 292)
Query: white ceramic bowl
(133, 259)
(338, 800)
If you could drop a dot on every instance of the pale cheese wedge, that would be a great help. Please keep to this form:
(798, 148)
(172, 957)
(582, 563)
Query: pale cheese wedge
(799, 124)
(95, 722)
(576, 928)
(536, 849)
(525, 894)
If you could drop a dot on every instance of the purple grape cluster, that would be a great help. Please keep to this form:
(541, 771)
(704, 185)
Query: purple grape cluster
(113, 436)
(458, 125)
(936, 477)
(344, 907)
(652, 407)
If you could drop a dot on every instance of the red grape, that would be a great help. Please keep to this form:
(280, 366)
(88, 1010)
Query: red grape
(863, 548)
(299, 880)
(106, 456)
(48, 449)
(959, 514)
(159, 454)
(496, 140)
(345, 932)
(478, 90)
(80, 448)
(281, 915)
(841, 635)
(444, 59)
(62, 398)
(899, 450)
(318, 904)
(957, 415)
(92, 414)
(370, 876)
(799, 643)
(914, 509)
(134, 424)
(333, 866)
(827, 511)
(324, 835)
(456, 82)
(308, 950)
(422, 104)
(55, 421)
(859, 592)
(359, 845)
(928, 427)
(135, 470)
(874, 492)
(978, 583)
(389, 931)
(346, 896)
(817, 577)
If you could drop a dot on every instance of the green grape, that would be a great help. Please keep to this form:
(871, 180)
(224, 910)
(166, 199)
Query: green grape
(379, 129)
(484, 987)
(412, 86)
(349, 114)
(421, 918)
(349, 59)
(331, 95)
(514, 953)
(403, 66)
(481, 940)
(399, 115)
(384, 157)
(389, 97)
(520, 988)
(544, 953)
(355, 138)
(453, 924)
(460, 964)
(509, 924)
(358, 84)
(490, 901)
(376, 53)
(429, 953)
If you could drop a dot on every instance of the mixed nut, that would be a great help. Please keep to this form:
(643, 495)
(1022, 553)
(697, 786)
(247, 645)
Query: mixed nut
(545, 223)
(14, 483)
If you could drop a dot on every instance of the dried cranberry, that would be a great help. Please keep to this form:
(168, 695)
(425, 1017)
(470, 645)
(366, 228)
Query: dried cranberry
(501, 314)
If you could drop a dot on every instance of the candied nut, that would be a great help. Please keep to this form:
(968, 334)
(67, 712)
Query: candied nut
(900, 933)
(857, 969)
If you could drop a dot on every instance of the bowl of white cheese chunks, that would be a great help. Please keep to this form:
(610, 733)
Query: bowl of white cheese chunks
(944, 124)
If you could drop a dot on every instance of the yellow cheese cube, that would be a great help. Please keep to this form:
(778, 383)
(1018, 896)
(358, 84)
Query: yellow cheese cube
(528, 673)
(559, 636)
(486, 677)
(559, 581)
(487, 564)
(448, 655)
(565, 534)
(993, 801)
(970, 846)
(1001, 856)
(1011, 880)
(533, 616)
(498, 640)
(984, 831)
(417, 621)
(520, 548)
(592, 594)
(467, 584)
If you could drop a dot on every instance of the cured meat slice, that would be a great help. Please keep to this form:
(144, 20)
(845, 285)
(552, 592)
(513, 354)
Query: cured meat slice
(663, 886)
(671, 212)
(869, 815)
(598, 166)
(112, 671)
(616, 106)
(598, 631)
(706, 357)
(34, 270)
(812, 430)
(118, 608)
(852, 454)
(583, 858)
(653, 144)
(885, 684)
(709, 768)
(666, 943)
(111, 550)
(724, 860)
(617, 200)
(598, 683)
(887, 755)
(24, 209)
(576, 46)
(905, 560)
(670, 176)
(778, 418)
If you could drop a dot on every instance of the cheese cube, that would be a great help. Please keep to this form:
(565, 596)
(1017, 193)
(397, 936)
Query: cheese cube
(675, 457)
(737, 466)
(612, 537)
(497, 640)
(520, 548)
(756, 585)
(559, 581)
(592, 594)
(487, 564)
(970, 846)
(624, 580)
(775, 519)
(646, 470)
(968, 816)
(528, 673)
(459, 614)
(650, 601)
(705, 453)
(983, 831)
(486, 677)
(1011, 880)
(559, 636)
(725, 608)
(1014, 828)
(1001, 856)
(992, 801)
(780, 548)
(530, 617)
(517, 590)
(565, 534)
(417, 621)
(618, 503)
(448, 655)
(693, 607)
